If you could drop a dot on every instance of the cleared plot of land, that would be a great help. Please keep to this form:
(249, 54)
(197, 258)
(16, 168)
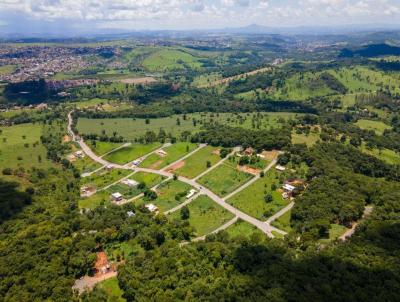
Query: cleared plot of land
(170, 194)
(205, 215)
(149, 179)
(389, 156)
(224, 178)
(252, 199)
(173, 153)
(197, 163)
(243, 229)
(335, 232)
(98, 199)
(86, 165)
(377, 126)
(104, 177)
(20, 146)
(283, 222)
(142, 80)
(128, 154)
(302, 138)
(7, 69)
(111, 287)
(132, 129)
(170, 59)
(101, 148)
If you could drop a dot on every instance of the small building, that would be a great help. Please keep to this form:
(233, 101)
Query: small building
(79, 154)
(151, 207)
(249, 151)
(130, 214)
(191, 193)
(280, 168)
(285, 195)
(136, 162)
(261, 156)
(109, 167)
(130, 182)
(288, 188)
(161, 152)
(116, 197)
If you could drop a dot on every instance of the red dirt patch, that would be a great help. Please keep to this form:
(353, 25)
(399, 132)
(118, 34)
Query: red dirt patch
(101, 263)
(248, 169)
(66, 139)
(217, 152)
(177, 166)
(156, 165)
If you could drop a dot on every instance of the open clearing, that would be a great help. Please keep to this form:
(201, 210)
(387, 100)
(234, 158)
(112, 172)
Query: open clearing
(389, 156)
(169, 195)
(86, 165)
(111, 287)
(205, 215)
(98, 199)
(20, 146)
(101, 148)
(132, 129)
(170, 59)
(251, 200)
(142, 80)
(302, 138)
(104, 177)
(130, 153)
(283, 222)
(377, 126)
(149, 179)
(224, 178)
(243, 229)
(197, 163)
(174, 152)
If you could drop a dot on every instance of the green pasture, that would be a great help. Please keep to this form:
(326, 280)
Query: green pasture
(197, 162)
(149, 179)
(205, 215)
(170, 59)
(283, 222)
(302, 138)
(97, 199)
(387, 155)
(251, 200)
(174, 152)
(101, 148)
(86, 165)
(243, 229)
(224, 179)
(377, 126)
(20, 146)
(130, 153)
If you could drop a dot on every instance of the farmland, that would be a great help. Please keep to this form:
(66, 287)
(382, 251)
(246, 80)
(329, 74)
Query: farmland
(173, 153)
(170, 59)
(130, 153)
(197, 163)
(252, 199)
(224, 179)
(20, 146)
(132, 129)
(205, 215)
(377, 126)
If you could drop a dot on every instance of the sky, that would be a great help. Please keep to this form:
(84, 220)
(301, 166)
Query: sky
(83, 16)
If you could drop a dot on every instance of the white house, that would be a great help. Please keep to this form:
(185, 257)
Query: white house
(191, 193)
(280, 168)
(130, 214)
(130, 182)
(288, 188)
(116, 196)
(79, 154)
(151, 207)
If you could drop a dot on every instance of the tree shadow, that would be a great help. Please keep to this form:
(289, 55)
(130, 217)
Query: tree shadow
(12, 201)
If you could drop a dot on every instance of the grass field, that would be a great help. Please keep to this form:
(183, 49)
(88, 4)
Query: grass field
(206, 79)
(224, 179)
(98, 199)
(132, 129)
(197, 163)
(20, 146)
(376, 126)
(205, 215)
(104, 177)
(389, 156)
(111, 287)
(170, 59)
(149, 179)
(167, 194)
(128, 154)
(251, 200)
(174, 152)
(283, 222)
(335, 232)
(302, 138)
(101, 148)
(243, 229)
(86, 164)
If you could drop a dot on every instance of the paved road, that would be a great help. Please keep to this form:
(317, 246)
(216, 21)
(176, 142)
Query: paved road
(185, 203)
(264, 227)
(280, 213)
(250, 182)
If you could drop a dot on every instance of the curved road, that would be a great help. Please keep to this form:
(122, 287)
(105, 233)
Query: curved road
(263, 226)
